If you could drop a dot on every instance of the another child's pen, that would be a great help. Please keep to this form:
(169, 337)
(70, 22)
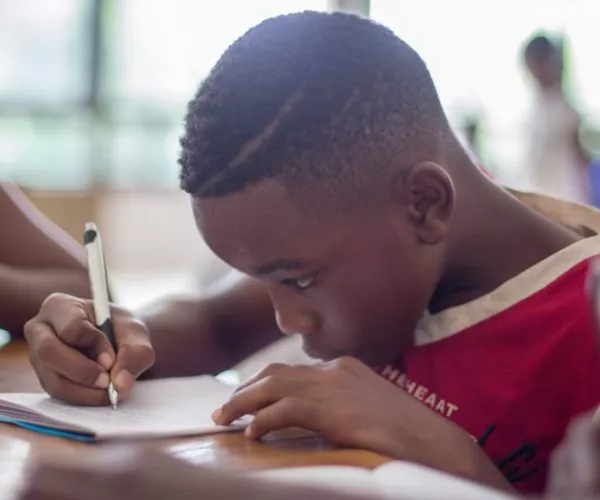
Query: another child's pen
(97, 274)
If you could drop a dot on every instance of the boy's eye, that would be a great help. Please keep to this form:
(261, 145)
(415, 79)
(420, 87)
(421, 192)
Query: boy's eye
(300, 283)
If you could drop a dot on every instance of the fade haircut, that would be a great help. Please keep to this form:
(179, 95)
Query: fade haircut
(322, 101)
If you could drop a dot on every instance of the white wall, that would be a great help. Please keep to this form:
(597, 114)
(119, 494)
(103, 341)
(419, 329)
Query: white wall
(150, 230)
(152, 246)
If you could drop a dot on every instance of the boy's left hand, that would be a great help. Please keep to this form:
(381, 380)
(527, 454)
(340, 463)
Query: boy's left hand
(351, 405)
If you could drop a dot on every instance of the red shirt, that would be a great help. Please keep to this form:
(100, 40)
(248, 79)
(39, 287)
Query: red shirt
(514, 367)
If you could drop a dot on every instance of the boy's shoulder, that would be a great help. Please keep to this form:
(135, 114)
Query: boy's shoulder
(583, 219)
(514, 366)
(559, 280)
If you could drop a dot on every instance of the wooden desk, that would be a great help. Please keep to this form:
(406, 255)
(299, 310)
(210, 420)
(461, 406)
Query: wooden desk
(229, 451)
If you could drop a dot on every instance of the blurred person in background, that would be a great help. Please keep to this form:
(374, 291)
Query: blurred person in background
(556, 161)
(37, 258)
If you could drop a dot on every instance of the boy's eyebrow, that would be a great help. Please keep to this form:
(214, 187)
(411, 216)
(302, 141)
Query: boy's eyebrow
(279, 265)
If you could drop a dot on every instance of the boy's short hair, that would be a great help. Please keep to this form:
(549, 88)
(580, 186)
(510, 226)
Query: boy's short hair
(326, 97)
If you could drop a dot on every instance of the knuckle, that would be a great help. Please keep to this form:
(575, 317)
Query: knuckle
(139, 326)
(30, 329)
(345, 363)
(273, 368)
(55, 300)
(131, 332)
(33, 328)
(290, 404)
(301, 410)
(146, 355)
(70, 331)
(271, 385)
(61, 302)
(45, 351)
(270, 381)
(137, 358)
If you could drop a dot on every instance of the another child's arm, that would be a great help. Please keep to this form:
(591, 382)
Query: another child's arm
(37, 258)
(23, 290)
(31, 240)
(129, 473)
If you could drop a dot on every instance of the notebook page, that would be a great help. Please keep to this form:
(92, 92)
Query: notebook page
(168, 407)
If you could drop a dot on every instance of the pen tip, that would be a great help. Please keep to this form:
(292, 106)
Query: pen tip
(113, 396)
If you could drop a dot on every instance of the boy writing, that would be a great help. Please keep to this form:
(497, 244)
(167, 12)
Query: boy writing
(451, 317)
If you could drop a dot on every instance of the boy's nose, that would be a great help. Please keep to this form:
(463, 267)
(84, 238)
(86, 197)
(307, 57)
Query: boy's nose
(301, 322)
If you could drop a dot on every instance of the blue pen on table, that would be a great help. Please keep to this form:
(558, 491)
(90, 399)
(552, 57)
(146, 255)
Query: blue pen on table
(97, 274)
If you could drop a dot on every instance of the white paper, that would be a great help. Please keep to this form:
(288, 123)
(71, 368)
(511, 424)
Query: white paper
(167, 407)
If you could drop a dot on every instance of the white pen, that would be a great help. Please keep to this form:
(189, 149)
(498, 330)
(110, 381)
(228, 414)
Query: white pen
(97, 274)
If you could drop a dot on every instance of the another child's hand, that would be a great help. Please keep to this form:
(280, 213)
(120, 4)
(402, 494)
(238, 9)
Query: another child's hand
(575, 464)
(351, 405)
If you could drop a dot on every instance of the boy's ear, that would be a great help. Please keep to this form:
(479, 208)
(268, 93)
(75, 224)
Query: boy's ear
(427, 192)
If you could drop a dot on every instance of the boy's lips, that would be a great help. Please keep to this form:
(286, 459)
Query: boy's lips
(317, 350)
(312, 352)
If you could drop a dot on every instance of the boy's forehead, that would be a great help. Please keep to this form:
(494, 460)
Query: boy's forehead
(261, 219)
(262, 205)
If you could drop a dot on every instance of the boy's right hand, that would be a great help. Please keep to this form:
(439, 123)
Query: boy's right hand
(75, 361)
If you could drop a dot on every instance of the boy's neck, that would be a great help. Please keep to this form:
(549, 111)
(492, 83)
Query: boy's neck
(496, 242)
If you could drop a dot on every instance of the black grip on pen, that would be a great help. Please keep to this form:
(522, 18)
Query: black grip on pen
(107, 329)
(89, 236)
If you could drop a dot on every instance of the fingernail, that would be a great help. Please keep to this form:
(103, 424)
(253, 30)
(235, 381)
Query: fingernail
(105, 360)
(124, 380)
(102, 381)
(216, 416)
